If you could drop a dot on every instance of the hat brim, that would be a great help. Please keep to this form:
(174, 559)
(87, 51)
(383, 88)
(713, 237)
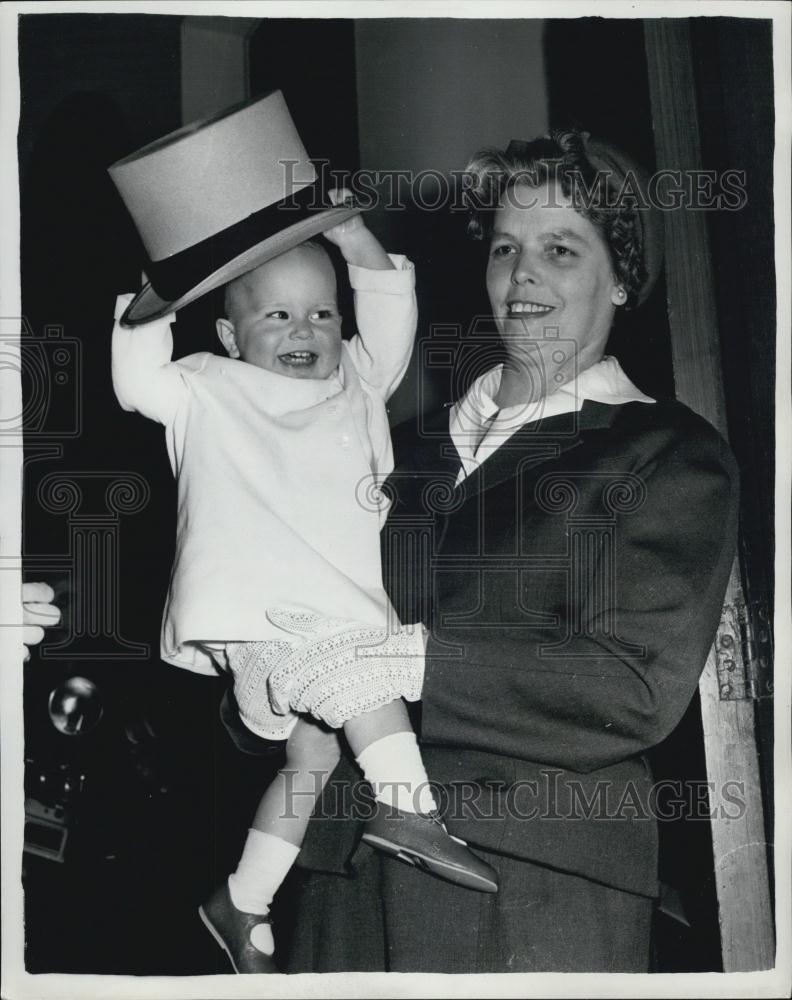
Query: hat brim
(148, 306)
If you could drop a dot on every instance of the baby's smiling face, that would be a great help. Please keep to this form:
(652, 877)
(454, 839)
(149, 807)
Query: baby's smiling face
(283, 316)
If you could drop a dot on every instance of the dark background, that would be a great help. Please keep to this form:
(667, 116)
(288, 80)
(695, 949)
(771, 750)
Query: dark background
(166, 797)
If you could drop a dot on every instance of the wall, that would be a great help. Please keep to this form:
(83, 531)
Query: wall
(222, 44)
(430, 93)
(431, 90)
(129, 59)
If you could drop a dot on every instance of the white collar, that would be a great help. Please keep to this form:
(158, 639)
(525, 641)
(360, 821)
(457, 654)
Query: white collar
(478, 427)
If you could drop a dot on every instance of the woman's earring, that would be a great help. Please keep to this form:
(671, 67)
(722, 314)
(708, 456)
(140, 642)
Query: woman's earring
(621, 295)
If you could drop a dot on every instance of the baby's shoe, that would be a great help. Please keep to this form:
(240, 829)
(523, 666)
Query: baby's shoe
(421, 839)
(234, 931)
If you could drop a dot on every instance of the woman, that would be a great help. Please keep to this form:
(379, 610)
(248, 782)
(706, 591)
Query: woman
(575, 539)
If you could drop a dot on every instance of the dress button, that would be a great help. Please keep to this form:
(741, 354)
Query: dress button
(332, 409)
(343, 440)
(222, 371)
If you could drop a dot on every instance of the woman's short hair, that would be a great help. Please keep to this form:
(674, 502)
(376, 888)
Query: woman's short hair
(597, 194)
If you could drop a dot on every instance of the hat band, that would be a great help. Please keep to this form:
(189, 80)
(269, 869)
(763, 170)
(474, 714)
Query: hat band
(176, 275)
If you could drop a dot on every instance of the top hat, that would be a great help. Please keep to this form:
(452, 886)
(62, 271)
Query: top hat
(217, 198)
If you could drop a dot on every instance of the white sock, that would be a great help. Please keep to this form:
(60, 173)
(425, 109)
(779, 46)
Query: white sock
(395, 770)
(265, 863)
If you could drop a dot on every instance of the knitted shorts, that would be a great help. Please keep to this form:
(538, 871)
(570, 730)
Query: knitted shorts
(250, 664)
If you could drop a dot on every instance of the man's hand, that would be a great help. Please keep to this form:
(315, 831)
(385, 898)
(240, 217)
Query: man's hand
(354, 239)
(38, 612)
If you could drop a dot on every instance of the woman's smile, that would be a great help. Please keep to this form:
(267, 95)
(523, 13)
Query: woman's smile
(518, 307)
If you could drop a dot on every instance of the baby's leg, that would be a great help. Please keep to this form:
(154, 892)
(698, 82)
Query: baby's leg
(404, 822)
(272, 845)
(312, 753)
(374, 725)
(384, 744)
(281, 819)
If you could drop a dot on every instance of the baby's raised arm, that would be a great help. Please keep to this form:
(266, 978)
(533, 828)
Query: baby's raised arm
(354, 239)
(144, 378)
(385, 307)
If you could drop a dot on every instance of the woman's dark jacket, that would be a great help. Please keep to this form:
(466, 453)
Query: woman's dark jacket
(572, 586)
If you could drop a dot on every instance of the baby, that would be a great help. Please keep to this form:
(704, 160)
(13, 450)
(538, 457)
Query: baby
(277, 567)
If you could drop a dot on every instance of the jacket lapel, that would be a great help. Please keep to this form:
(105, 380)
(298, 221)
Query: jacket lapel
(429, 449)
(535, 443)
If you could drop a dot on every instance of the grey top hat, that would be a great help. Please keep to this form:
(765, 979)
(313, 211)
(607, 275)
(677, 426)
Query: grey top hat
(216, 199)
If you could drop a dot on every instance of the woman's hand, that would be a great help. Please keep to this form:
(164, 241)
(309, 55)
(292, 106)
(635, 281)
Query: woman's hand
(354, 239)
(38, 613)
